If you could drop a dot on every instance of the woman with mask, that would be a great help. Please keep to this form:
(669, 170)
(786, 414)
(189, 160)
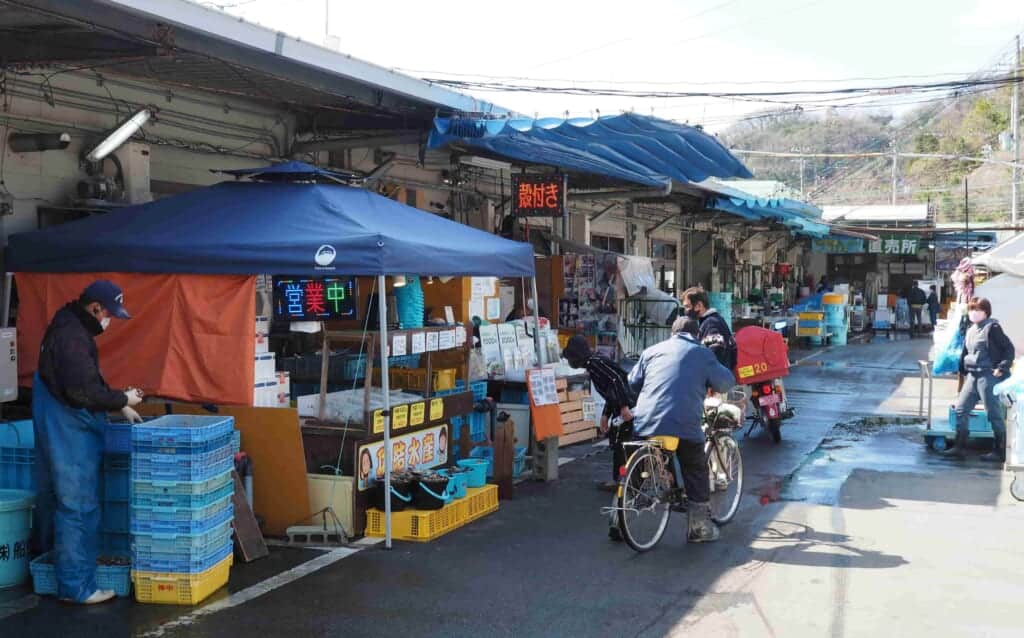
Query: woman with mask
(985, 361)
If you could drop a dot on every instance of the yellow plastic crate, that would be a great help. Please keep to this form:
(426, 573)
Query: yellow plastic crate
(812, 316)
(181, 589)
(416, 378)
(811, 332)
(426, 525)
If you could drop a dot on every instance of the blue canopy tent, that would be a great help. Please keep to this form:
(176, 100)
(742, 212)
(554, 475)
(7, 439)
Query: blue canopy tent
(275, 226)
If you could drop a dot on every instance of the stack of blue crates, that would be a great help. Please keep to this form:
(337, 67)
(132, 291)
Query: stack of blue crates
(181, 489)
(478, 421)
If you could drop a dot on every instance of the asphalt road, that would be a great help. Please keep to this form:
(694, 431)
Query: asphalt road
(542, 565)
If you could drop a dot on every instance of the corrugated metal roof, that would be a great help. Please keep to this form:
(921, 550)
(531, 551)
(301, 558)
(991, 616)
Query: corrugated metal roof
(876, 213)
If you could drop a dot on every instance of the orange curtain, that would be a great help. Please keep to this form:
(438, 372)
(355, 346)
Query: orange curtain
(190, 338)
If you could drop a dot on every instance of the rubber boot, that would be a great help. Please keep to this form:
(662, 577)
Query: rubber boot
(701, 528)
(959, 449)
(998, 453)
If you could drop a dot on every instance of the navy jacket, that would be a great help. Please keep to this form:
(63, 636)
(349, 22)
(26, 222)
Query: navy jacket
(986, 349)
(671, 379)
(69, 362)
(716, 335)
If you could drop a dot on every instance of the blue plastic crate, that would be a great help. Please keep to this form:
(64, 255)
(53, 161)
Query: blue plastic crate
(978, 421)
(236, 441)
(114, 516)
(17, 455)
(182, 467)
(182, 433)
(155, 520)
(478, 424)
(191, 490)
(116, 470)
(520, 397)
(115, 543)
(185, 502)
(181, 544)
(353, 367)
(113, 577)
(182, 564)
(479, 390)
(199, 448)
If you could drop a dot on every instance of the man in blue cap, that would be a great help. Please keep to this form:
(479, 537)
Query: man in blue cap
(70, 401)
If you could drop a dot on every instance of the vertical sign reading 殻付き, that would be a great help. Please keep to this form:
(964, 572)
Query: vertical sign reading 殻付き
(413, 451)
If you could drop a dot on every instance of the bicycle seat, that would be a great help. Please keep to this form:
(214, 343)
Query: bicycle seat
(669, 443)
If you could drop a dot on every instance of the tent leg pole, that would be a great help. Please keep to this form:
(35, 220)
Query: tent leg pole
(5, 319)
(541, 355)
(385, 386)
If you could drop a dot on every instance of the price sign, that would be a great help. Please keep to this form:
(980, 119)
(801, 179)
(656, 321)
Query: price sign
(417, 414)
(378, 422)
(436, 409)
(400, 417)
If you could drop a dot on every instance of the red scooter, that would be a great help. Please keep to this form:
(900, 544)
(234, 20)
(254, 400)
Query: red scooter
(762, 361)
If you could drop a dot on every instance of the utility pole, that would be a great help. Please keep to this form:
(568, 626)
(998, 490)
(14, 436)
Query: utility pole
(895, 158)
(967, 221)
(1015, 133)
(803, 195)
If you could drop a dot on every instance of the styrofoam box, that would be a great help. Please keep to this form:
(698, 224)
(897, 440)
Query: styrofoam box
(283, 396)
(264, 393)
(262, 326)
(265, 366)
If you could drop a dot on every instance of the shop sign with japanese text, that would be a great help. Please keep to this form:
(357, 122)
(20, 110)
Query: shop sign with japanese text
(895, 245)
(538, 195)
(414, 451)
(838, 245)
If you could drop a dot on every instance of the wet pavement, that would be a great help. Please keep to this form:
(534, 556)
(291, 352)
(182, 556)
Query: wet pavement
(543, 566)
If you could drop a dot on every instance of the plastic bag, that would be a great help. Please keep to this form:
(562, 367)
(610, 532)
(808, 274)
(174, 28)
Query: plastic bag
(1014, 384)
(947, 354)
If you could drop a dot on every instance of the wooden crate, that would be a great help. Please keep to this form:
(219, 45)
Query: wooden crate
(577, 437)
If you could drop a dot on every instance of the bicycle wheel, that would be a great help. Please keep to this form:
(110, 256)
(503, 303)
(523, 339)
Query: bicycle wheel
(725, 466)
(645, 500)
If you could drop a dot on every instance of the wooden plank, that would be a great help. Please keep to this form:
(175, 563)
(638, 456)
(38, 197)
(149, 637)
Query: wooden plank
(561, 384)
(576, 437)
(572, 417)
(248, 538)
(578, 395)
(570, 406)
(563, 397)
(578, 426)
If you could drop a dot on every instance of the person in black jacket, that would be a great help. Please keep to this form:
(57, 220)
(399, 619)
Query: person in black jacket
(714, 333)
(985, 361)
(70, 400)
(917, 300)
(610, 382)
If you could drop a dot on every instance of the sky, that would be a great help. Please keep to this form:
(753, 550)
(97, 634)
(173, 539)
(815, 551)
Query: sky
(694, 45)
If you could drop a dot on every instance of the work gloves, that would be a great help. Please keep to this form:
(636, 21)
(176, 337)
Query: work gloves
(134, 397)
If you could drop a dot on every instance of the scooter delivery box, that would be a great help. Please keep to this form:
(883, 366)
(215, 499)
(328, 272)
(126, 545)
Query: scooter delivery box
(761, 355)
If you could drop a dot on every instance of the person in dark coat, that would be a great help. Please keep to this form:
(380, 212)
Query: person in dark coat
(715, 332)
(70, 401)
(917, 300)
(985, 361)
(610, 382)
(933, 305)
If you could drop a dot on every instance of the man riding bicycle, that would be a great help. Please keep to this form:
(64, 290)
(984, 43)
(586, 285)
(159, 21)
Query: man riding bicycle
(671, 380)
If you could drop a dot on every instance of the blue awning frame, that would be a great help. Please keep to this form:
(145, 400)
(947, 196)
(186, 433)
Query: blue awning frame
(634, 148)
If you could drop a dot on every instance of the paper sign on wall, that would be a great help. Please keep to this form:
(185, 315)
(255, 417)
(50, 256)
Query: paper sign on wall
(490, 346)
(400, 417)
(446, 340)
(476, 308)
(417, 414)
(432, 341)
(419, 343)
(482, 286)
(398, 345)
(460, 336)
(542, 387)
(436, 409)
(493, 308)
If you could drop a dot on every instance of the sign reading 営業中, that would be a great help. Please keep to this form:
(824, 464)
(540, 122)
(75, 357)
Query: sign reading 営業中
(538, 195)
(414, 451)
(314, 298)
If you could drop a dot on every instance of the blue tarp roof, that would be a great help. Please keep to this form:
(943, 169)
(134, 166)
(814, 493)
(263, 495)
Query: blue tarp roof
(273, 228)
(795, 215)
(629, 147)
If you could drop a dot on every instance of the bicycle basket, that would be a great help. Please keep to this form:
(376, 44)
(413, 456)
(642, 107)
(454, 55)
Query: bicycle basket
(726, 417)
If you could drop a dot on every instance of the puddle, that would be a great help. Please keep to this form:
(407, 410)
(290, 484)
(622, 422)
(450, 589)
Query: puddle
(866, 444)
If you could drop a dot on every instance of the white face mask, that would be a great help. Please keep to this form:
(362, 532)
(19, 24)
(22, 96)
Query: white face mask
(105, 323)
(976, 316)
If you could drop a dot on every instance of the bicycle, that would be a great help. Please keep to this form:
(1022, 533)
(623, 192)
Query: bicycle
(651, 486)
